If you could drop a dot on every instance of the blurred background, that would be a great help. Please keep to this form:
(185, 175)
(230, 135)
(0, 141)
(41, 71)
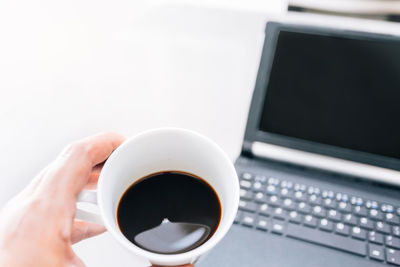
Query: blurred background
(69, 69)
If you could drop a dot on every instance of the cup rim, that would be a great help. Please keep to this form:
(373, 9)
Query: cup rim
(180, 258)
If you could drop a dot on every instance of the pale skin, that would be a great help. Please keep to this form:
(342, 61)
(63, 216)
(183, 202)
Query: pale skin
(37, 227)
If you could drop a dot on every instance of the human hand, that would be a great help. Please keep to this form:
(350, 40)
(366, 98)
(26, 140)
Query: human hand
(37, 227)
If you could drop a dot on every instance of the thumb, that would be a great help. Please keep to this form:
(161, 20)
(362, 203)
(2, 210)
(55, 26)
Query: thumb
(82, 230)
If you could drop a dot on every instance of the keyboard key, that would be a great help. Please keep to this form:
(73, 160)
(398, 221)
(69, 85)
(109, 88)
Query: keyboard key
(237, 217)
(303, 188)
(260, 178)
(286, 192)
(302, 207)
(247, 176)
(376, 252)
(371, 204)
(245, 184)
(391, 241)
(278, 213)
(264, 209)
(344, 207)
(334, 215)
(311, 190)
(358, 233)
(391, 218)
(350, 219)
(327, 239)
(248, 219)
(300, 187)
(273, 181)
(310, 221)
(386, 208)
(328, 194)
(246, 194)
(375, 214)
(287, 184)
(278, 227)
(375, 237)
(273, 200)
(262, 223)
(258, 187)
(329, 203)
(325, 225)
(331, 194)
(300, 196)
(342, 229)
(360, 211)
(393, 256)
(271, 190)
(314, 200)
(342, 197)
(396, 230)
(382, 227)
(284, 184)
(356, 201)
(317, 191)
(294, 217)
(366, 223)
(318, 211)
(288, 204)
(260, 197)
(247, 206)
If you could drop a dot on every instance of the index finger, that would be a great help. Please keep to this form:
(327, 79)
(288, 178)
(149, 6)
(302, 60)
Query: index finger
(72, 168)
(99, 147)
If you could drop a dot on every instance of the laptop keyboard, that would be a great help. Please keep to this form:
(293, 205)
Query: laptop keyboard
(348, 223)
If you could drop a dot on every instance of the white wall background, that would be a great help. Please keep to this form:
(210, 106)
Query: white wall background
(69, 69)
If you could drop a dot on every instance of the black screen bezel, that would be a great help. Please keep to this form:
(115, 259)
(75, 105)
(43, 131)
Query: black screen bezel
(253, 132)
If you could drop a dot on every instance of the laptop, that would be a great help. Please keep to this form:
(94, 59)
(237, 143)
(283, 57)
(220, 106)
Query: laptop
(319, 168)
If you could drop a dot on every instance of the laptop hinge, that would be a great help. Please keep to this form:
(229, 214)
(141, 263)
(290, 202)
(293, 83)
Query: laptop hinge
(246, 149)
(322, 162)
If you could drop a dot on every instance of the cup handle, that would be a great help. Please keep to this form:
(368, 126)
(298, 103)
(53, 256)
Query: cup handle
(87, 196)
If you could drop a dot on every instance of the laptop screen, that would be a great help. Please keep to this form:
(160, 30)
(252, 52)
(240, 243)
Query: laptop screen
(338, 91)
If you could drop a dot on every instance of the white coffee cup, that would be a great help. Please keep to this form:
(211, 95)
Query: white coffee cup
(158, 150)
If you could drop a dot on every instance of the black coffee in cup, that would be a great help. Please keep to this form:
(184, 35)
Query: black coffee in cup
(169, 212)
